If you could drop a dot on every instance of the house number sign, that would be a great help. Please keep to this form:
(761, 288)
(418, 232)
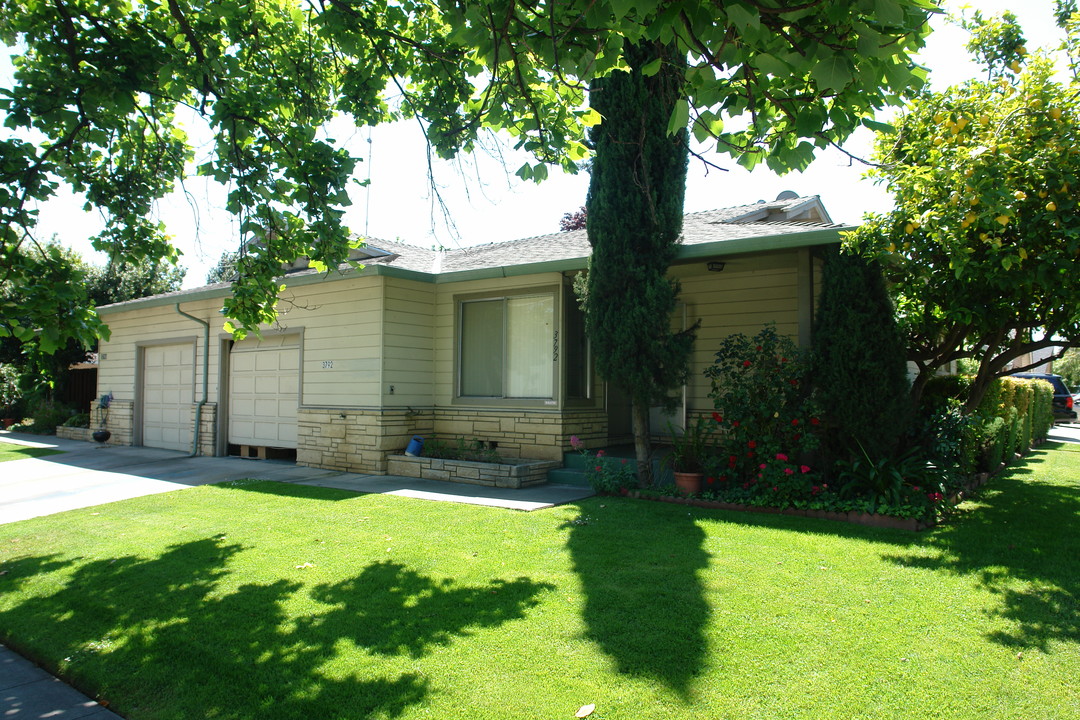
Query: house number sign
(328, 364)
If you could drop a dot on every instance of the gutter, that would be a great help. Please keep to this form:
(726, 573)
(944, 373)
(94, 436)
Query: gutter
(205, 379)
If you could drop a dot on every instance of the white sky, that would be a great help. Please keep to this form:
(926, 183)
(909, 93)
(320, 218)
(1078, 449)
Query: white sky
(487, 203)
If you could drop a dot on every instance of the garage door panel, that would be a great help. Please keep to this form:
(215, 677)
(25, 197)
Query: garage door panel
(264, 391)
(167, 392)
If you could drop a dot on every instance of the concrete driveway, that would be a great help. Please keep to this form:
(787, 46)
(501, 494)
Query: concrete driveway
(86, 474)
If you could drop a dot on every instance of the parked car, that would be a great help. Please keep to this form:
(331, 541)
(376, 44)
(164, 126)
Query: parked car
(1063, 399)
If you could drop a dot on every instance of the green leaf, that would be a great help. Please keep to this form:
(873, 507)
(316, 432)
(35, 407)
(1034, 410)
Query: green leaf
(879, 126)
(651, 68)
(888, 12)
(832, 73)
(680, 116)
(742, 17)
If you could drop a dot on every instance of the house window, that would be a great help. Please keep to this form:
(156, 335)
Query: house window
(507, 347)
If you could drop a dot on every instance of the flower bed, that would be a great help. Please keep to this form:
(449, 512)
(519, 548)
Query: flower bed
(858, 517)
(508, 473)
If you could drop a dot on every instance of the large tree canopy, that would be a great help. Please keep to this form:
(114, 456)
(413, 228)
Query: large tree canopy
(982, 245)
(100, 85)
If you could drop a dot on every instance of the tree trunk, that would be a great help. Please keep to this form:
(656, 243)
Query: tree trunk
(642, 446)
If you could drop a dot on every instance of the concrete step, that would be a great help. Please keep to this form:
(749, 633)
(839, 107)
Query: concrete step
(568, 476)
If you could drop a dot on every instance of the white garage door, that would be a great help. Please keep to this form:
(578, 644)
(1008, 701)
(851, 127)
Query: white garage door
(264, 389)
(168, 387)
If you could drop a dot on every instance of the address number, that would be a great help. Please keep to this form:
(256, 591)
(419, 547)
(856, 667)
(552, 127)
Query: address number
(328, 364)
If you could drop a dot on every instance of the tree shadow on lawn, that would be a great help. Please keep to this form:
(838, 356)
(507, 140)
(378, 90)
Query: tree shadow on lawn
(644, 604)
(1027, 530)
(170, 637)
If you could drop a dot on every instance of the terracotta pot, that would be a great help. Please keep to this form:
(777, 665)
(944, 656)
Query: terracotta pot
(8, 422)
(688, 483)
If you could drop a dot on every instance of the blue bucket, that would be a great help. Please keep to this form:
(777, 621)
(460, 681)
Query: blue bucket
(415, 447)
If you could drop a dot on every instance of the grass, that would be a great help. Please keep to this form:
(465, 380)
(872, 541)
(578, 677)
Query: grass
(276, 601)
(10, 451)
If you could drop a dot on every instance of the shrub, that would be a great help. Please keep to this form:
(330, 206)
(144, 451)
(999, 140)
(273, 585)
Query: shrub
(10, 392)
(995, 438)
(762, 408)
(44, 416)
(942, 390)
(1042, 414)
(460, 449)
(82, 420)
(859, 369)
(606, 475)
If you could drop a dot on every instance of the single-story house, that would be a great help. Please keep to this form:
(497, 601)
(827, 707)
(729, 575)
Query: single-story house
(485, 343)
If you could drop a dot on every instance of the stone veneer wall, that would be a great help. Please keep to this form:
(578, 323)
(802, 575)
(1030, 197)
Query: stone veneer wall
(540, 435)
(361, 440)
(518, 475)
(207, 428)
(120, 422)
(355, 440)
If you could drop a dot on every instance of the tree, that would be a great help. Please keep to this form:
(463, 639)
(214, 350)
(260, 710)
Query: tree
(1068, 367)
(574, 221)
(120, 281)
(87, 286)
(225, 270)
(980, 247)
(105, 85)
(859, 373)
(635, 213)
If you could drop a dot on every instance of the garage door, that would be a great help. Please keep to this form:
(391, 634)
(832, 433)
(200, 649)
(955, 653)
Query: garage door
(264, 388)
(168, 387)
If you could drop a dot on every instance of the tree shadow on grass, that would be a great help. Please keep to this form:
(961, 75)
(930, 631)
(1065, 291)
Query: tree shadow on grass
(1027, 530)
(171, 637)
(644, 604)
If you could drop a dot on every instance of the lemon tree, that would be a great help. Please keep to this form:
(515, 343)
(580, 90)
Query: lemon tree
(983, 243)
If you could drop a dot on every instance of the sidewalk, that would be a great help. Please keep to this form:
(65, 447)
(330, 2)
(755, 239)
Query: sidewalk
(87, 474)
(27, 691)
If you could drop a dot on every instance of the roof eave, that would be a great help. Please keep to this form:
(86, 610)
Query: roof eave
(785, 241)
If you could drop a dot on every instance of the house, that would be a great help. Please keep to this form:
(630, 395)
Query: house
(484, 342)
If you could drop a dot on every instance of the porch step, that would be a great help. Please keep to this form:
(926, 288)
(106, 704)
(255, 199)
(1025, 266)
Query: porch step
(575, 465)
(568, 476)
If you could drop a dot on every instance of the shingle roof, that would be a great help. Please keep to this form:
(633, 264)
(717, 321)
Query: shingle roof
(763, 220)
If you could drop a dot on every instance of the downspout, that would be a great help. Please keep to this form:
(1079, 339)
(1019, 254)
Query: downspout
(205, 379)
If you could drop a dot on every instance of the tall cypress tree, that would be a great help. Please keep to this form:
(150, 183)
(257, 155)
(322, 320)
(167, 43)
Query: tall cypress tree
(860, 372)
(635, 213)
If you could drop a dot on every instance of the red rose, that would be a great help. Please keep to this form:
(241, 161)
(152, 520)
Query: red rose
(795, 422)
(746, 363)
(752, 444)
(717, 418)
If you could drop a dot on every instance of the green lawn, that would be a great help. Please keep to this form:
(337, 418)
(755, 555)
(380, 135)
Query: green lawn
(262, 600)
(11, 451)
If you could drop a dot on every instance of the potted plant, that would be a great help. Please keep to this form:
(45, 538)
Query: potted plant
(689, 453)
(102, 435)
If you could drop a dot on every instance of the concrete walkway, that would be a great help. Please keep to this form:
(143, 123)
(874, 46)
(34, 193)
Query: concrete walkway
(27, 691)
(87, 474)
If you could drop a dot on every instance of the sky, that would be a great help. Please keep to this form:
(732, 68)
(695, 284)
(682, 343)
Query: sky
(485, 202)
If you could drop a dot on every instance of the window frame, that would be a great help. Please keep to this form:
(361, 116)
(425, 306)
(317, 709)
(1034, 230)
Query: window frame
(549, 291)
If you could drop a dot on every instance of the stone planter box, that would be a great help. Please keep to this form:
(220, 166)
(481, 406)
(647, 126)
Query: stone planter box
(74, 433)
(513, 473)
